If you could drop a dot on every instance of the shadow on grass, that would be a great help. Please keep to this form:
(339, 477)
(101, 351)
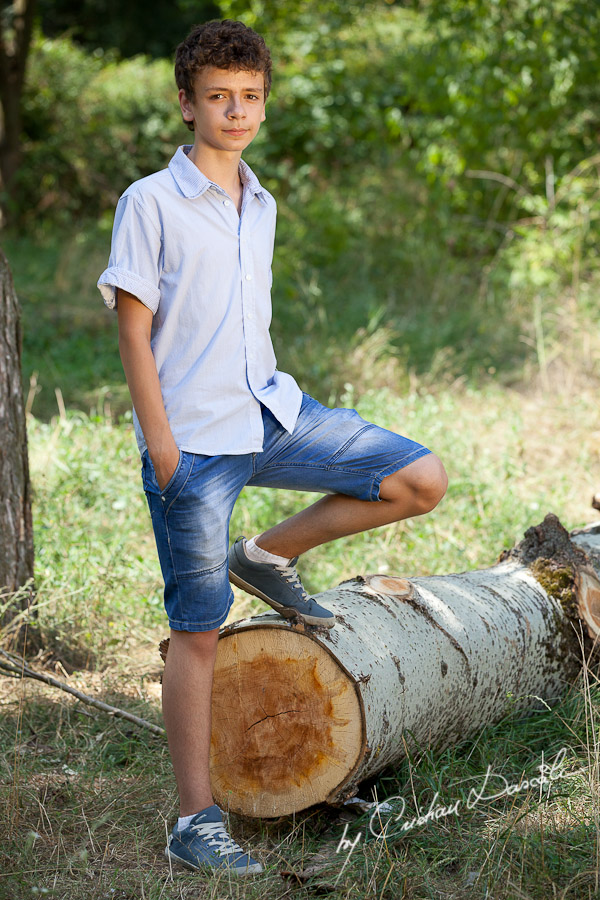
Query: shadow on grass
(87, 801)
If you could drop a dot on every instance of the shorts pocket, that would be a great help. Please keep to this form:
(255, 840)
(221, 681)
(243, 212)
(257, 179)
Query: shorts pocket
(149, 475)
(149, 481)
(173, 479)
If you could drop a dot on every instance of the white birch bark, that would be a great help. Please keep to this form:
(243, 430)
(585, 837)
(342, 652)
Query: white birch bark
(301, 715)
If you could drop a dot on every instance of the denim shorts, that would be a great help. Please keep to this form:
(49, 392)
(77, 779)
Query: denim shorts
(330, 451)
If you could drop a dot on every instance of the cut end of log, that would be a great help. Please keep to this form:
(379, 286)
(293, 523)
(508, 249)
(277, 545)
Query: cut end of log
(596, 501)
(287, 723)
(588, 599)
(389, 585)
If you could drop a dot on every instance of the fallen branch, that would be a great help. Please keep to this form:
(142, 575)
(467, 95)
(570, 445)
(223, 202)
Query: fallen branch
(16, 668)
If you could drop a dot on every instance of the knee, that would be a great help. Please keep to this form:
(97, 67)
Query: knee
(434, 484)
(194, 644)
(422, 483)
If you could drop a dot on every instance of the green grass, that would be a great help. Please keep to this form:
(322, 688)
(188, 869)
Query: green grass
(367, 313)
(95, 555)
(93, 799)
(86, 797)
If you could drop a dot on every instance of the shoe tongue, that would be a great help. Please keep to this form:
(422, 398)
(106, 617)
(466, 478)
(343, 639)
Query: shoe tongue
(210, 814)
(293, 562)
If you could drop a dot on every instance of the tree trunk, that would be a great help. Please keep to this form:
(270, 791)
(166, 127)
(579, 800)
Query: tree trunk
(16, 530)
(301, 714)
(16, 29)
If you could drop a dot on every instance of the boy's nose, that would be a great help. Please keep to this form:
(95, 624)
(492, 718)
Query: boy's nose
(236, 109)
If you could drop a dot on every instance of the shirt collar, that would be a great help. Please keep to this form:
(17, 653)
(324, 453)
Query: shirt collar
(192, 182)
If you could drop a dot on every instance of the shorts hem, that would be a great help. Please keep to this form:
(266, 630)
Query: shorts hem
(194, 627)
(179, 625)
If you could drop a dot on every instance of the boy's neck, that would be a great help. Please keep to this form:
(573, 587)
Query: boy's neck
(221, 168)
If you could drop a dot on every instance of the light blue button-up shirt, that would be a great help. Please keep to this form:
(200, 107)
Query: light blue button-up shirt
(204, 271)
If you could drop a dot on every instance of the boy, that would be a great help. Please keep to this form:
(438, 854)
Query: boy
(190, 276)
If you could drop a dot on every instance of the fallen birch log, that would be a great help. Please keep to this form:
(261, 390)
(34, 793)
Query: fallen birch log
(301, 714)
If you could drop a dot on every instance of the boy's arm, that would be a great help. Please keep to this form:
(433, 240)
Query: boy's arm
(135, 324)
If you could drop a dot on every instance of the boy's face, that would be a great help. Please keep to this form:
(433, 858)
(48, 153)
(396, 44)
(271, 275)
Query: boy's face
(227, 108)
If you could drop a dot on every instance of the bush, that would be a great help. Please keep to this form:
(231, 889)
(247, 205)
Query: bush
(92, 125)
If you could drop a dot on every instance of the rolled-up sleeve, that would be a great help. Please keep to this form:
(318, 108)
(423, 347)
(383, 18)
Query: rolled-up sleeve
(135, 256)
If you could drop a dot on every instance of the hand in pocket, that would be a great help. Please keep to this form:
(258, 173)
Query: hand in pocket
(165, 469)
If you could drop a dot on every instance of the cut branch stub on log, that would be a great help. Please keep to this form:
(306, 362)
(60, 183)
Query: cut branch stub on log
(301, 715)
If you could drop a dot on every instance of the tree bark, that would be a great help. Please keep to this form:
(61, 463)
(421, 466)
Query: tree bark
(301, 714)
(16, 529)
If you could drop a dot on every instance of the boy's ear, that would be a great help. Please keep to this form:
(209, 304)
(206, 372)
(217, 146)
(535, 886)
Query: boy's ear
(264, 113)
(184, 103)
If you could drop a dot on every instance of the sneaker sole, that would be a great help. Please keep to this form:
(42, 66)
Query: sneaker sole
(288, 611)
(254, 869)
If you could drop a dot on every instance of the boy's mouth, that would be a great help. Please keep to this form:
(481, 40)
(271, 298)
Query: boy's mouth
(235, 131)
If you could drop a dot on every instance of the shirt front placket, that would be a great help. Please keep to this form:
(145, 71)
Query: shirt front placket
(248, 295)
(248, 291)
(248, 281)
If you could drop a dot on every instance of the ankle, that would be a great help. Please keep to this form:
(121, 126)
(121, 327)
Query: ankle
(184, 821)
(257, 554)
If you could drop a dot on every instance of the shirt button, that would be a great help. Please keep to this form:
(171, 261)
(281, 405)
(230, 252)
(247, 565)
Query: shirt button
(248, 277)
(226, 202)
(250, 316)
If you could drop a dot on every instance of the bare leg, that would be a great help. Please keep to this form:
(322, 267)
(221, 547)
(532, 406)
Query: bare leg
(411, 491)
(186, 697)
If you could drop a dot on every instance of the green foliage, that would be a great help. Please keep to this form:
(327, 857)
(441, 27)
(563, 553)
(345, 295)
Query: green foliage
(150, 27)
(484, 110)
(279, 19)
(510, 87)
(92, 125)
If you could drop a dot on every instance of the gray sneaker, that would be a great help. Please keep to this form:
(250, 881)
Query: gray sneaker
(205, 845)
(279, 586)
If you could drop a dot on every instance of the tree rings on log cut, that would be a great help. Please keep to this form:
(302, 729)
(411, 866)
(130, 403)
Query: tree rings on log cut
(287, 724)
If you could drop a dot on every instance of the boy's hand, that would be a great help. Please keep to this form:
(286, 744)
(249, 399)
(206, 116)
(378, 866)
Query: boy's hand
(165, 465)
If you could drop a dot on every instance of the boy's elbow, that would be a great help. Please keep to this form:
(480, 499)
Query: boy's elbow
(132, 341)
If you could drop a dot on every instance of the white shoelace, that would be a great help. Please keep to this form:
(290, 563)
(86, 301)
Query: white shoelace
(292, 577)
(217, 837)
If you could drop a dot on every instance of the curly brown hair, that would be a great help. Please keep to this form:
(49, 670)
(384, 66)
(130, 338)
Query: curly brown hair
(225, 44)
